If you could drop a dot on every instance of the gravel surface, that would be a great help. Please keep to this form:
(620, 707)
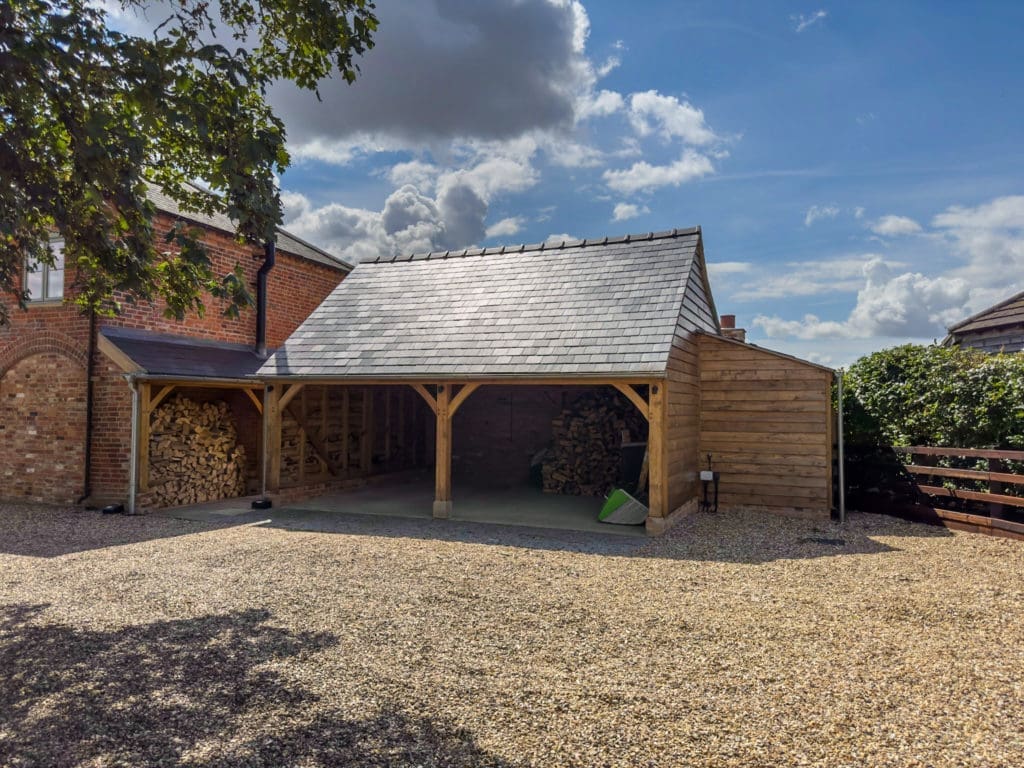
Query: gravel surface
(736, 640)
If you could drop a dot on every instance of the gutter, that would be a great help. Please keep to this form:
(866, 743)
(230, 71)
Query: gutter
(90, 370)
(269, 259)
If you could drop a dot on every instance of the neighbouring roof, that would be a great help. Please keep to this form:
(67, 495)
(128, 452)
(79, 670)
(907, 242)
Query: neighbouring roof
(1005, 313)
(578, 308)
(286, 241)
(164, 354)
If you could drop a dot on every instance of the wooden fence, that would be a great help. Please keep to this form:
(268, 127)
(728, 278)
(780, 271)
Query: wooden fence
(985, 506)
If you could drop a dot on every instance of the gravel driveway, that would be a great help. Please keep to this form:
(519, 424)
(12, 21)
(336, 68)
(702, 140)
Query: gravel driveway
(736, 640)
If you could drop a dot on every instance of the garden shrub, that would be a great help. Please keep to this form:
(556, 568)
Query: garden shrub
(932, 395)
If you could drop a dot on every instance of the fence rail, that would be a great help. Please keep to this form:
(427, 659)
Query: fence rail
(1000, 504)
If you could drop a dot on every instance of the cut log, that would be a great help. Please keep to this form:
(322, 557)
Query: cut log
(586, 440)
(194, 453)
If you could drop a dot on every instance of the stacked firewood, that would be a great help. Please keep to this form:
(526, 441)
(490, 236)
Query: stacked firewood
(585, 456)
(194, 455)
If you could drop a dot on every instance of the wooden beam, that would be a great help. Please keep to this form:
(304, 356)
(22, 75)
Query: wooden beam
(145, 409)
(121, 360)
(965, 474)
(635, 399)
(291, 392)
(443, 454)
(426, 396)
(161, 396)
(959, 493)
(315, 442)
(272, 437)
(460, 398)
(255, 400)
(575, 381)
(657, 454)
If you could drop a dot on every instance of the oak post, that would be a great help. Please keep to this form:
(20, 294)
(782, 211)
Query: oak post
(272, 436)
(656, 451)
(443, 454)
(145, 409)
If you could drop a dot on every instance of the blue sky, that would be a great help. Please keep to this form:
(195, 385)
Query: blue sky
(856, 167)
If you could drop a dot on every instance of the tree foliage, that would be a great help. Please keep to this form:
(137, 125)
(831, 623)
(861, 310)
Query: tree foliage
(932, 395)
(90, 115)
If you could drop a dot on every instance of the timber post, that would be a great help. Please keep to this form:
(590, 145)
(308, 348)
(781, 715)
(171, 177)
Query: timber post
(145, 410)
(657, 456)
(443, 454)
(272, 438)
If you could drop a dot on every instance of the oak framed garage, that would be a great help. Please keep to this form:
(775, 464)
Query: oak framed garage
(633, 315)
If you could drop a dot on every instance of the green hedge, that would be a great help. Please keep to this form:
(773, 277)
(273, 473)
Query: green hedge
(931, 395)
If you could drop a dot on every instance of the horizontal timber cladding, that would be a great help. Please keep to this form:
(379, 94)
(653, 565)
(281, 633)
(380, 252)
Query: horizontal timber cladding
(766, 421)
(683, 426)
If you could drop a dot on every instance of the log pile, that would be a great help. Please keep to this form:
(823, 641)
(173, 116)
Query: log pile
(585, 456)
(194, 455)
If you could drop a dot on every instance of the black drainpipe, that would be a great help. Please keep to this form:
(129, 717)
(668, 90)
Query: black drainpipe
(269, 254)
(89, 368)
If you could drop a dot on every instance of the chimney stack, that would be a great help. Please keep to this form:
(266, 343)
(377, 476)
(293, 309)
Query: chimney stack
(729, 329)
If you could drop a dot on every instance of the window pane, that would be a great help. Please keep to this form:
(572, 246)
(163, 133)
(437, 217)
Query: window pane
(55, 285)
(34, 281)
(55, 274)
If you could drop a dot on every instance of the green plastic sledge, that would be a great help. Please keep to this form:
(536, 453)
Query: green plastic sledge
(622, 509)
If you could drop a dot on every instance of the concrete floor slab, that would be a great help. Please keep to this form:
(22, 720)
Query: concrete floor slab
(518, 506)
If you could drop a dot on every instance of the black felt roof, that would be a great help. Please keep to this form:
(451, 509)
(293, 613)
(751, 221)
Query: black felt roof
(170, 355)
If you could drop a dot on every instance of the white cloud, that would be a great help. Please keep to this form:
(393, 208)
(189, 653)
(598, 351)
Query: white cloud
(818, 212)
(976, 254)
(652, 112)
(894, 226)
(858, 212)
(600, 104)
(506, 227)
(729, 267)
(625, 211)
(643, 176)
(558, 239)
(416, 172)
(888, 305)
(802, 22)
(844, 274)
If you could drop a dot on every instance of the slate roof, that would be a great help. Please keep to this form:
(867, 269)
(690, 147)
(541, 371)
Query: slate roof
(164, 354)
(606, 307)
(286, 241)
(1005, 313)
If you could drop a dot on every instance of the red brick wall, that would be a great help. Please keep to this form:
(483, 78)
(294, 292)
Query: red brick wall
(61, 334)
(111, 431)
(42, 428)
(295, 287)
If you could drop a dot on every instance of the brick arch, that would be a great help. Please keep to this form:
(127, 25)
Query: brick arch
(42, 342)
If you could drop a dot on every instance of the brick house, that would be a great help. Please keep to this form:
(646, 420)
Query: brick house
(67, 379)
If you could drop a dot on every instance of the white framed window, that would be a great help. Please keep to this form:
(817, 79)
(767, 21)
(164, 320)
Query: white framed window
(43, 282)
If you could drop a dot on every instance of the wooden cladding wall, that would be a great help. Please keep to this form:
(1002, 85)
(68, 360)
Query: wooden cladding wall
(683, 421)
(766, 421)
(331, 432)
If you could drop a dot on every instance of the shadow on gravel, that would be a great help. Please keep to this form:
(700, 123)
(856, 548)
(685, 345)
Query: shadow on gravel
(191, 692)
(38, 530)
(724, 537)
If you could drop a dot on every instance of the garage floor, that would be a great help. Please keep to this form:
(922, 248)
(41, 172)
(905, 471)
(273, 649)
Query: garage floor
(523, 506)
